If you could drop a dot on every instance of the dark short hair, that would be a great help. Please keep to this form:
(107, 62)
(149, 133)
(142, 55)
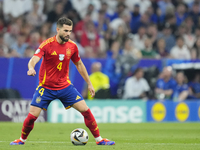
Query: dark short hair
(65, 21)
(180, 38)
(137, 70)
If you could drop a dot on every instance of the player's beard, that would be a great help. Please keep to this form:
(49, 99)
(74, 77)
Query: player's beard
(64, 39)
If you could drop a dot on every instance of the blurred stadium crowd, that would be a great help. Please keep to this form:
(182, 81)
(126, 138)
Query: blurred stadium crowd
(124, 31)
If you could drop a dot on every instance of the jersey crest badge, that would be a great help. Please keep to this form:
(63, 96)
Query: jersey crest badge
(68, 53)
(54, 53)
(61, 57)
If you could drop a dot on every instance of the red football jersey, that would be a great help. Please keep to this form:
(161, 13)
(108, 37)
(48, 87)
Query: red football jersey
(54, 70)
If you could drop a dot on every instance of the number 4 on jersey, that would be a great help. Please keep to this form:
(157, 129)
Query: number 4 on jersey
(59, 67)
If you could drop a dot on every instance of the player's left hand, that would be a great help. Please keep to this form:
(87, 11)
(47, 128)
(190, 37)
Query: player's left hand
(91, 90)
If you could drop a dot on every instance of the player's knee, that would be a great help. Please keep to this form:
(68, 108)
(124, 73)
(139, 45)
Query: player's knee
(35, 111)
(84, 109)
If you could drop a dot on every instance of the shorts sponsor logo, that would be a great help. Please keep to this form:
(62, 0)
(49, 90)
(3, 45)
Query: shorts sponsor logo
(182, 112)
(158, 112)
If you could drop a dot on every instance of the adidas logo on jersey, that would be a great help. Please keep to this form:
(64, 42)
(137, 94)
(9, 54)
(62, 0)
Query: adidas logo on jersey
(54, 53)
(77, 97)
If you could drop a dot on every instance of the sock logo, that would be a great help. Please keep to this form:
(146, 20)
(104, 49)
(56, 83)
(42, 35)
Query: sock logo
(96, 128)
(94, 123)
(24, 133)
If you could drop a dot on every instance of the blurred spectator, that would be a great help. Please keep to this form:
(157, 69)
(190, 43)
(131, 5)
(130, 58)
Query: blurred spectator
(90, 41)
(123, 20)
(191, 3)
(102, 23)
(143, 4)
(189, 37)
(18, 48)
(81, 8)
(29, 52)
(170, 20)
(194, 13)
(80, 27)
(2, 52)
(34, 40)
(166, 34)
(180, 50)
(108, 39)
(55, 14)
(197, 32)
(135, 18)
(121, 36)
(181, 13)
(195, 52)
(16, 8)
(152, 33)
(34, 18)
(148, 51)
(81, 50)
(120, 9)
(44, 32)
(110, 67)
(143, 22)
(11, 37)
(67, 6)
(139, 38)
(136, 87)
(181, 30)
(130, 50)
(2, 25)
(194, 87)
(74, 16)
(152, 15)
(181, 90)
(107, 10)
(165, 84)
(164, 4)
(94, 13)
(4, 48)
(99, 80)
(154, 4)
(161, 48)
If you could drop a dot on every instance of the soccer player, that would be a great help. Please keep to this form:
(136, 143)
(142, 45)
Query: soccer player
(54, 81)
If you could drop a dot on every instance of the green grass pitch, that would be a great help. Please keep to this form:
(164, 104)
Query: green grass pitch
(143, 136)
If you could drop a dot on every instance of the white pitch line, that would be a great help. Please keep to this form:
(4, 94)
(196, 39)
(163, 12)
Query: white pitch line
(116, 143)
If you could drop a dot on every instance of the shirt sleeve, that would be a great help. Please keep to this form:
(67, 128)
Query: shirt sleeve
(75, 57)
(40, 51)
(146, 85)
(159, 84)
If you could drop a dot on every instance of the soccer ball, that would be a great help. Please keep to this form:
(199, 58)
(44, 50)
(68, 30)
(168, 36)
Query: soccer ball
(79, 137)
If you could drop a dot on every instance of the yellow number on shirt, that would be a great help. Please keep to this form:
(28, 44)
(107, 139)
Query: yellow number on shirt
(59, 67)
(41, 91)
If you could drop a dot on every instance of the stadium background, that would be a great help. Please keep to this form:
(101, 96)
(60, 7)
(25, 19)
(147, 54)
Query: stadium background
(104, 31)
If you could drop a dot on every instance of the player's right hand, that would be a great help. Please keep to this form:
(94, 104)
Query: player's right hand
(31, 72)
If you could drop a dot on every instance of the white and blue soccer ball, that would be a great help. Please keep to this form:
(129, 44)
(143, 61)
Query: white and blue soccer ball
(79, 136)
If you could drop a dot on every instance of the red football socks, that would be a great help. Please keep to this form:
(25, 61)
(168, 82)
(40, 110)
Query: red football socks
(90, 122)
(27, 126)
